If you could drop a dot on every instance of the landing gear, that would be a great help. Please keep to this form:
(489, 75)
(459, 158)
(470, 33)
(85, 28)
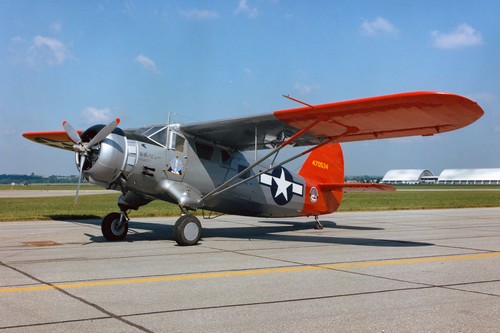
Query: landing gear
(114, 226)
(318, 225)
(187, 230)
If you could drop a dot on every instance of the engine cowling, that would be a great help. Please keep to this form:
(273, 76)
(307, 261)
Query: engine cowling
(106, 160)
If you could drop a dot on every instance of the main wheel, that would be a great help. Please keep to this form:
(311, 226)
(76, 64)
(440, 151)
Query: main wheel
(187, 230)
(112, 229)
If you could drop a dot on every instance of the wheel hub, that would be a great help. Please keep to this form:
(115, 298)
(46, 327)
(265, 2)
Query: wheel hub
(191, 231)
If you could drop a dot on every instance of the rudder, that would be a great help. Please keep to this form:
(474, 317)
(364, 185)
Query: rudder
(324, 165)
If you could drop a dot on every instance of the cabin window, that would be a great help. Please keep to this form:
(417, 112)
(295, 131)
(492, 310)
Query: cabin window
(241, 168)
(147, 131)
(179, 143)
(160, 136)
(204, 151)
(225, 158)
(176, 142)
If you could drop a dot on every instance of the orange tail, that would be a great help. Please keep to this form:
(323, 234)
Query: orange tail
(324, 165)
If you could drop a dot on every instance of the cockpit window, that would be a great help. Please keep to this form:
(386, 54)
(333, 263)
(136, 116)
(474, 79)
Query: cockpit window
(156, 133)
(147, 131)
(179, 143)
(160, 136)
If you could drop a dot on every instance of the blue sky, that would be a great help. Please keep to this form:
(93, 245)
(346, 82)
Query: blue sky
(91, 61)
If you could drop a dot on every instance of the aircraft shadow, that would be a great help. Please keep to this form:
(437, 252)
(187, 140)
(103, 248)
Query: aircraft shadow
(275, 233)
(144, 231)
(327, 224)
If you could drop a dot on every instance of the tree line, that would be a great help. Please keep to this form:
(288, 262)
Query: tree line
(36, 179)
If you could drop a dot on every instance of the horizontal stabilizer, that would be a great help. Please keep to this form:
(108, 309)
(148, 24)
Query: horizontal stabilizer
(358, 187)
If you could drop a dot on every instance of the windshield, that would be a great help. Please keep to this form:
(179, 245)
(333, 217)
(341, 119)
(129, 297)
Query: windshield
(155, 133)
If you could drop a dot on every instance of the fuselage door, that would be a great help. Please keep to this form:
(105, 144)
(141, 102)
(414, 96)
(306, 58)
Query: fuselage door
(177, 156)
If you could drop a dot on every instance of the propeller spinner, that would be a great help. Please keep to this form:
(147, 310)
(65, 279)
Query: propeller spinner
(83, 149)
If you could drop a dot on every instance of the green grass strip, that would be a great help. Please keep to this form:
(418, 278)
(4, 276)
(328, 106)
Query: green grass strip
(61, 208)
(98, 206)
(368, 201)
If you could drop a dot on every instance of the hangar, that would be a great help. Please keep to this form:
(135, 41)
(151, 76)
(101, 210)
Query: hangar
(448, 176)
(408, 176)
(469, 176)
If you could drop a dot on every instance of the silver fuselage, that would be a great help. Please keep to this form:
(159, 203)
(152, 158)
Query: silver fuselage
(163, 163)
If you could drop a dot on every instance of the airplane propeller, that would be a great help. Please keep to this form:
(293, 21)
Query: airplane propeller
(83, 148)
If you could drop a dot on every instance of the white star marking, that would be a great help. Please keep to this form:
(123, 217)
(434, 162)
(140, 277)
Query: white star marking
(283, 185)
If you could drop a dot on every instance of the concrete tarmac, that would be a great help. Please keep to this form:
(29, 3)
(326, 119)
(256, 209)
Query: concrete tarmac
(398, 271)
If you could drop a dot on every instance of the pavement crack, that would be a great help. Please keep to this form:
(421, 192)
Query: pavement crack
(290, 300)
(465, 248)
(455, 286)
(53, 323)
(80, 299)
(421, 284)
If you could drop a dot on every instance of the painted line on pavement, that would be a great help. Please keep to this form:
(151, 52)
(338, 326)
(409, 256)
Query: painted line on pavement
(259, 271)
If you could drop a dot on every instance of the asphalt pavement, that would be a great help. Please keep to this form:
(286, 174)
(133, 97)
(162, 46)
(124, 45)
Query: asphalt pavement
(399, 271)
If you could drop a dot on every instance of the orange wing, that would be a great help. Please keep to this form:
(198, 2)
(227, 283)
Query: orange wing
(391, 116)
(57, 139)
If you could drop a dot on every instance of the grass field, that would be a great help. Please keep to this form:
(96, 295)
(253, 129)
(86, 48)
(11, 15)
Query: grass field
(421, 199)
(89, 207)
(97, 206)
(47, 187)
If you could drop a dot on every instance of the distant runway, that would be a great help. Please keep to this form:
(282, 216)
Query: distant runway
(399, 271)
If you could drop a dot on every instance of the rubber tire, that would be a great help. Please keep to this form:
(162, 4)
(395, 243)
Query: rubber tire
(108, 227)
(187, 230)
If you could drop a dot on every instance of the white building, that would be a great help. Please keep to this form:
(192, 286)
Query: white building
(469, 176)
(408, 176)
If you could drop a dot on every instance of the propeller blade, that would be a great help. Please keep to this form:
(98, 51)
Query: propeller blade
(72, 133)
(82, 162)
(104, 132)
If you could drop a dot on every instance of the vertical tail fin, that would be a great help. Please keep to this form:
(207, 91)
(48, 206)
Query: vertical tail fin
(324, 165)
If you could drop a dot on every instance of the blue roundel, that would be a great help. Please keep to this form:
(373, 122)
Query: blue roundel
(282, 185)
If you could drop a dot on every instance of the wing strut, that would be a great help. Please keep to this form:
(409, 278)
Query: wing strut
(223, 187)
(256, 143)
(274, 151)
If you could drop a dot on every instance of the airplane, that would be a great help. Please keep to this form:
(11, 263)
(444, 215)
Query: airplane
(215, 166)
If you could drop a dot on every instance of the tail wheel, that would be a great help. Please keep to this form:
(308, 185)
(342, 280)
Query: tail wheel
(112, 228)
(187, 230)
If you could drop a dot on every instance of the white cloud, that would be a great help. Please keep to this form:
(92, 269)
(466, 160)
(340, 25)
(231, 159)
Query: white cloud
(464, 35)
(199, 14)
(248, 72)
(305, 89)
(47, 50)
(244, 8)
(56, 27)
(8, 130)
(129, 7)
(93, 116)
(146, 63)
(378, 26)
